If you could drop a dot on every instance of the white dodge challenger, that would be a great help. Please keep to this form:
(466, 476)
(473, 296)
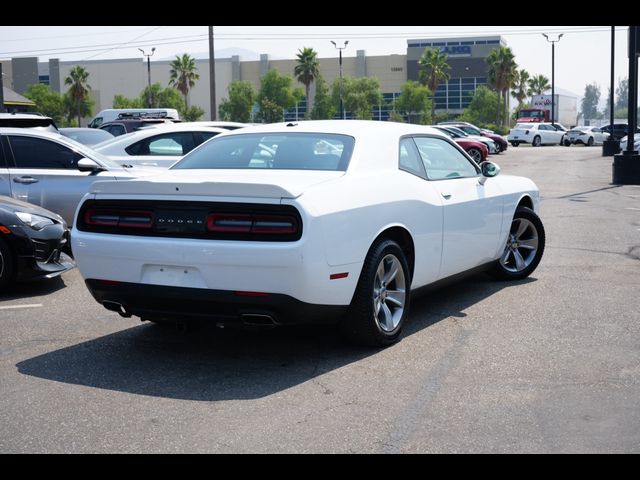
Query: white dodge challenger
(331, 221)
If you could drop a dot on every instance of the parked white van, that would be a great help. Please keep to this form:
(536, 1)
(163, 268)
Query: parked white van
(112, 114)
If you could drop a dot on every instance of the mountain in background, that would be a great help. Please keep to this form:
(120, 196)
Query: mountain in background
(245, 54)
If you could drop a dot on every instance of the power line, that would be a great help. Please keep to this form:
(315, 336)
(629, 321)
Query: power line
(123, 44)
(288, 36)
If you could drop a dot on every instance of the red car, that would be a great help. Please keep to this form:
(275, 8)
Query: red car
(476, 150)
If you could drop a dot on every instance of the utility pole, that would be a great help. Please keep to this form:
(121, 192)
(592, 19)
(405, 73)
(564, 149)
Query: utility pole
(626, 166)
(148, 73)
(611, 146)
(212, 77)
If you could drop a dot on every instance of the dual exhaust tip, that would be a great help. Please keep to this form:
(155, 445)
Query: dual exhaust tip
(249, 320)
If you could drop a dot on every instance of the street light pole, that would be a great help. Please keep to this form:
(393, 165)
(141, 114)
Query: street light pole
(343, 114)
(553, 75)
(148, 73)
(611, 146)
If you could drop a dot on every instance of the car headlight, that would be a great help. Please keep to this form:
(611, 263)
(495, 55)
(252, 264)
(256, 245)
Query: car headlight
(34, 221)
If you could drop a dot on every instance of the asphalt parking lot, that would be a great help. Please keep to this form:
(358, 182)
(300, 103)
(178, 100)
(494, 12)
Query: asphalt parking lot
(547, 365)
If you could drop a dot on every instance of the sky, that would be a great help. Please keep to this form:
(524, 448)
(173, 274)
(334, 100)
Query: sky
(582, 55)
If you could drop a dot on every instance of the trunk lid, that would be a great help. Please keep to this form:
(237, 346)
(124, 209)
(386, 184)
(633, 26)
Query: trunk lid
(220, 183)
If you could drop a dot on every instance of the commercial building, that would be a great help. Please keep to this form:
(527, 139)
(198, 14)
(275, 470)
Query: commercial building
(128, 77)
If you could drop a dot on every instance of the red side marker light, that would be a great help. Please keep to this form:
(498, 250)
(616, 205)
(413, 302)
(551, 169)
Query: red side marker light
(5, 230)
(338, 276)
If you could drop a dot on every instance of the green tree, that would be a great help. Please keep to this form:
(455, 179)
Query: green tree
(276, 95)
(323, 107)
(622, 92)
(191, 114)
(360, 95)
(502, 68)
(396, 117)
(590, 101)
(538, 85)
(521, 87)
(433, 70)
(237, 108)
(78, 89)
(183, 75)
(71, 109)
(47, 101)
(120, 101)
(307, 69)
(482, 109)
(414, 101)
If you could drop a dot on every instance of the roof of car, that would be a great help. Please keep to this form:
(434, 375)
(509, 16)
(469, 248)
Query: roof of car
(344, 127)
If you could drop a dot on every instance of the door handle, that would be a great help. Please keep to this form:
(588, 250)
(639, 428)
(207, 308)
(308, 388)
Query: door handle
(26, 180)
(446, 196)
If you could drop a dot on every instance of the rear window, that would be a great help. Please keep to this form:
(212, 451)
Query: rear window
(288, 151)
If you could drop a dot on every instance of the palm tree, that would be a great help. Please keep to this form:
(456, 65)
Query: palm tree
(183, 75)
(538, 85)
(521, 87)
(307, 70)
(502, 68)
(79, 88)
(433, 70)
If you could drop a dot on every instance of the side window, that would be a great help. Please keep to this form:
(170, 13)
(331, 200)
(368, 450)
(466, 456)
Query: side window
(410, 160)
(31, 152)
(96, 122)
(116, 130)
(168, 144)
(442, 160)
(202, 137)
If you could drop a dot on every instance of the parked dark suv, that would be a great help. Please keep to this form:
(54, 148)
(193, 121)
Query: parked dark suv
(130, 122)
(620, 130)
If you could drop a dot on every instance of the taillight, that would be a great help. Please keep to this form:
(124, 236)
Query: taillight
(119, 218)
(255, 223)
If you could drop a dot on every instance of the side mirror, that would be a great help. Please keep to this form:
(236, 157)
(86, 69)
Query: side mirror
(489, 170)
(88, 165)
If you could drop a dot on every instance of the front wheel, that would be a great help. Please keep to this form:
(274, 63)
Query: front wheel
(590, 142)
(515, 144)
(380, 304)
(6, 265)
(475, 154)
(524, 248)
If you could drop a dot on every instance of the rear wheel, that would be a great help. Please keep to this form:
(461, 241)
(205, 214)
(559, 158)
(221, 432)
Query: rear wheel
(380, 304)
(524, 248)
(515, 144)
(498, 147)
(590, 142)
(537, 141)
(7, 269)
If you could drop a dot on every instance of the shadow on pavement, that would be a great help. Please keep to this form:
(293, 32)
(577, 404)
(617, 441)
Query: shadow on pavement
(210, 365)
(38, 288)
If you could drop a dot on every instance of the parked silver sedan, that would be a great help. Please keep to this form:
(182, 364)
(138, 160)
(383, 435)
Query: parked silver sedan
(52, 171)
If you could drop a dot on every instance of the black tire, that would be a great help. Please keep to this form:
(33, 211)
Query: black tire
(361, 324)
(506, 271)
(566, 143)
(7, 265)
(498, 148)
(590, 142)
(537, 141)
(515, 144)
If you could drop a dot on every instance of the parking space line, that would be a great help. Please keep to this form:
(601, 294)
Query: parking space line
(16, 307)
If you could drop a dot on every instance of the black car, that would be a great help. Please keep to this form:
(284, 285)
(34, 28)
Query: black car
(32, 242)
(620, 130)
(127, 123)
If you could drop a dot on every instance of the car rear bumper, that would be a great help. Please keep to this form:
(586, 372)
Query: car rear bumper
(296, 269)
(176, 304)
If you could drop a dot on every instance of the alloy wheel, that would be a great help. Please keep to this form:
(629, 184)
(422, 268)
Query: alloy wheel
(522, 246)
(389, 293)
